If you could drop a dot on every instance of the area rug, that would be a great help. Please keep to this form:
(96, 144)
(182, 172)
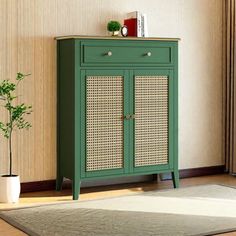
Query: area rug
(199, 210)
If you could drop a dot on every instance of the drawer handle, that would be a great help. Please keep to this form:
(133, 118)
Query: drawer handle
(132, 116)
(129, 117)
(148, 54)
(109, 53)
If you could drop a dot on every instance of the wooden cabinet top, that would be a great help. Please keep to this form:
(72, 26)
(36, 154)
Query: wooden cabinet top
(114, 38)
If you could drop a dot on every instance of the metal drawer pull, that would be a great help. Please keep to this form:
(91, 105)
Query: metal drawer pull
(129, 117)
(149, 54)
(109, 53)
(132, 116)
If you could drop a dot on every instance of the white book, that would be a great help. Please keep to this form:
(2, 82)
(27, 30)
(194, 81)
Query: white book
(142, 25)
(133, 14)
(145, 25)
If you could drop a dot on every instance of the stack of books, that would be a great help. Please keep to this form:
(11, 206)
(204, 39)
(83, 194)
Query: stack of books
(136, 23)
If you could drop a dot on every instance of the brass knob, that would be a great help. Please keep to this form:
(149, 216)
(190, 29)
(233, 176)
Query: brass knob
(127, 117)
(109, 53)
(132, 116)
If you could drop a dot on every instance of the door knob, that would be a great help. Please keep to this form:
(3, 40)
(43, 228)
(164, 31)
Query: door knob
(127, 117)
(132, 116)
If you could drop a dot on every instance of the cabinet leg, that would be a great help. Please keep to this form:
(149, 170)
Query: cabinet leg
(76, 189)
(59, 183)
(175, 178)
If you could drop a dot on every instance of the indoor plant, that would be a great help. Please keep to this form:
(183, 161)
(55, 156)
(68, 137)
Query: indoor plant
(114, 27)
(10, 183)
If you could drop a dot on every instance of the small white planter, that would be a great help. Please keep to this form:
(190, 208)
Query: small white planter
(115, 33)
(9, 189)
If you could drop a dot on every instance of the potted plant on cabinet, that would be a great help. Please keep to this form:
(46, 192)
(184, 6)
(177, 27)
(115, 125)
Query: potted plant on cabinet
(10, 183)
(114, 27)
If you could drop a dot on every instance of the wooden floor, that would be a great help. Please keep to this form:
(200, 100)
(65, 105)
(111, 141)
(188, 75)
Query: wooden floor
(48, 197)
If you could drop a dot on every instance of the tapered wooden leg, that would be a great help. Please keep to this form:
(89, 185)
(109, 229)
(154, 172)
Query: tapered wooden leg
(59, 183)
(76, 189)
(175, 178)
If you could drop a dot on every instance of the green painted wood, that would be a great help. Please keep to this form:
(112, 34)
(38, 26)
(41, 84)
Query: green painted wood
(175, 178)
(126, 123)
(59, 179)
(144, 172)
(171, 119)
(175, 115)
(132, 122)
(123, 55)
(66, 100)
(82, 124)
(77, 123)
(126, 53)
(78, 58)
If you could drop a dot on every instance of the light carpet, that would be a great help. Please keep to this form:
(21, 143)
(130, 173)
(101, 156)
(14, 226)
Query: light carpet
(199, 210)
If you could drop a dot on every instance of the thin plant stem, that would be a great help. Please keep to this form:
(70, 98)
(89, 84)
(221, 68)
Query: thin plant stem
(10, 150)
(10, 139)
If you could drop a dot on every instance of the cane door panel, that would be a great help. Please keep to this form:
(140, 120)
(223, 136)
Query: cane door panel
(105, 137)
(153, 124)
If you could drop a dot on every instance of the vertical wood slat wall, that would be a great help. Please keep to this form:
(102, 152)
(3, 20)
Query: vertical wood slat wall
(28, 28)
(26, 44)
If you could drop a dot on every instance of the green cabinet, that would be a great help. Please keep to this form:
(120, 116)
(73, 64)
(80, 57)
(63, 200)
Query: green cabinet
(117, 108)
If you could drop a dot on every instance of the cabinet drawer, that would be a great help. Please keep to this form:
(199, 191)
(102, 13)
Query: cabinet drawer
(126, 54)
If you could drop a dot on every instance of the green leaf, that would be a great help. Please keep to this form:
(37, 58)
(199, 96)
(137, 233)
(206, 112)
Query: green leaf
(20, 76)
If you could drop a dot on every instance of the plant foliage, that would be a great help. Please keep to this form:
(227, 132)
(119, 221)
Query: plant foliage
(16, 112)
(113, 26)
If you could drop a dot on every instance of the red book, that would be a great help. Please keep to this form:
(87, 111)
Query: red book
(131, 26)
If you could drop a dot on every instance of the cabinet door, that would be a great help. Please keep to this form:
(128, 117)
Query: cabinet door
(154, 119)
(105, 134)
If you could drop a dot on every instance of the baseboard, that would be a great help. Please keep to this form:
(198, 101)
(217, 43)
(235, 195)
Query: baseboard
(38, 186)
(196, 172)
(201, 171)
(185, 173)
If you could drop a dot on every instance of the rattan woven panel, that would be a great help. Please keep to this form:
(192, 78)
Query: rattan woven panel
(104, 123)
(151, 120)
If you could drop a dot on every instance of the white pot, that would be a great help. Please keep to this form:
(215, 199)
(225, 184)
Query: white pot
(115, 33)
(9, 189)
